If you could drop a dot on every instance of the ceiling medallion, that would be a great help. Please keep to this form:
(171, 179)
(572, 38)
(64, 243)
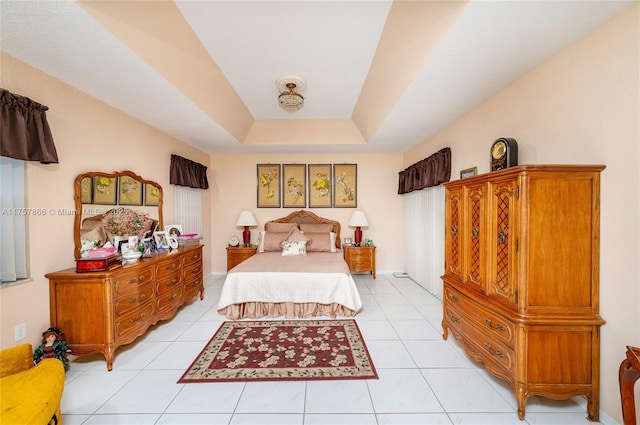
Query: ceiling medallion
(289, 99)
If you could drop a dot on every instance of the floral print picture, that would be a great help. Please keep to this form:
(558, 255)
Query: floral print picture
(105, 190)
(268, 185)
(294, 185)
(151, 195)
(130, 191)
(319, 177)
(345, 185)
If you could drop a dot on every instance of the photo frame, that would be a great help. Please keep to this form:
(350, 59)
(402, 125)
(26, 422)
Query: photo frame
(104, 190)
(348, 241)
(294, 186)
(268, 182)
(468, 172)
(173, 229)
(86, 193)
(319, 178)
(151, 195)
(345, 185)
(160, 238)
(129, 191)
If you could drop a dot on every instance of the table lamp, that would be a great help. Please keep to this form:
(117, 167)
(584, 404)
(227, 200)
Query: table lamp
(246, 219)
(358, 220)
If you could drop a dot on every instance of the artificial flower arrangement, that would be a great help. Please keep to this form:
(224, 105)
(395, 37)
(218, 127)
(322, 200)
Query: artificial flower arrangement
(125, 222)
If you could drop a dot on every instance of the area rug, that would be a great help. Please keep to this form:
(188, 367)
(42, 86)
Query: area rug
(283, 350)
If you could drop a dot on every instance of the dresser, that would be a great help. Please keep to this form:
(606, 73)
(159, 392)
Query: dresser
(360, 258)
(100, 311)
(237, 254)
(521, 278)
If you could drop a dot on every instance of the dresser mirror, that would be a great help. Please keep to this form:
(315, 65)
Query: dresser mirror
(114, 205)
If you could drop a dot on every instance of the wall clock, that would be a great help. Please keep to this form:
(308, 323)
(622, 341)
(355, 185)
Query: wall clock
(504, 153)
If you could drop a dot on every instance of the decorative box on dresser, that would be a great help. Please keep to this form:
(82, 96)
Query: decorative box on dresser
(360, 258)
(237, 254)
(100, 311)
(521, 278)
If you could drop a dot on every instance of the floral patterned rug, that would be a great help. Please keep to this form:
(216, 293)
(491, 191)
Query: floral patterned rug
(283, 350)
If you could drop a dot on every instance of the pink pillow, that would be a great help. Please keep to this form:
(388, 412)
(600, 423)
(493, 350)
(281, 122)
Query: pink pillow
(316, 228)
(296, 235)
(273, 241)
(271, 226)
(320, 242)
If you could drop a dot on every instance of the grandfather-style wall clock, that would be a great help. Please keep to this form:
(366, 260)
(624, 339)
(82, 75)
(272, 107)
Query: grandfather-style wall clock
(504, 153)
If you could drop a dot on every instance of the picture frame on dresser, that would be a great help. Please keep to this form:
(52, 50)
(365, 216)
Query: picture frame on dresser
(160, 238)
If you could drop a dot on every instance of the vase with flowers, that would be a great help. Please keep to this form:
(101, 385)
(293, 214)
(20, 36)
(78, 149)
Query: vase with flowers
(123, 222)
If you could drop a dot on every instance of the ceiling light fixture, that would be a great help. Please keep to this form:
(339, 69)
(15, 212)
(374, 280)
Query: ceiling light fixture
(289, 99)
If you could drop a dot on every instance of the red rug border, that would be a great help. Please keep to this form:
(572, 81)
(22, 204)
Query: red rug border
(374, 375)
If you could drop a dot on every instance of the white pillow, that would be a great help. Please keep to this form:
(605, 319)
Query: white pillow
(261, 242)
(294, 248)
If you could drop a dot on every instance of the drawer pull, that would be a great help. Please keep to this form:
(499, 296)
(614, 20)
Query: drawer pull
(171, 267)
(492, 326)
(141, 278)
(474, 232)
(135, 319)
(173, 298)
(453, 298)
(453, 318)
(135, 300)
(502, 236)
(454, 230)
(173, 282)
(492, 351)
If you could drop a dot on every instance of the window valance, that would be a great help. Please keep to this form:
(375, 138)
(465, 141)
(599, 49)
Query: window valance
(184, 172)
(431, 171)
(24, 130)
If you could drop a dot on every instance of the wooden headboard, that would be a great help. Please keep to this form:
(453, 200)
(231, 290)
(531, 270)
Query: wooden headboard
(303, 216)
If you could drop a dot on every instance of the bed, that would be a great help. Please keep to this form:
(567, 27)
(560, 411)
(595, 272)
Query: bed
(297, 272)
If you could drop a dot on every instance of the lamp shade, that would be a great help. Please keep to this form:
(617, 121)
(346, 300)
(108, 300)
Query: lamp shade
(246, 218)
(358, 219)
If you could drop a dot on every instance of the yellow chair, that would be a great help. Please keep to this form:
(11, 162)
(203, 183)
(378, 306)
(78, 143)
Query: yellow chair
(29, 394)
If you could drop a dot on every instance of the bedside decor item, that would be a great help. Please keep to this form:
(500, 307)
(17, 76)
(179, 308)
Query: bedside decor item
(504, 153)
(268, 185)
(468, 172)
(345, 185)
(294, 183)
(293, 351)
(319, 176)
(237, 254)
(246, 220)
(233, 241)
(358, 220)
(289, 99)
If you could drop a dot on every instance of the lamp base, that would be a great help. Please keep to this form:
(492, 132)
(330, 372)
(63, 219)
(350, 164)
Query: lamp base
(357, 236)
(246, 236)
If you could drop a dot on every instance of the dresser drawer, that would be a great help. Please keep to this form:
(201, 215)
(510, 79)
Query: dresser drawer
(498, 326)
(194, 257)
(169, 283)
(126, 282)
(192, 273)
(134, 320)
(133, 299)
(168, 267)
(360, 255)
(169, 300)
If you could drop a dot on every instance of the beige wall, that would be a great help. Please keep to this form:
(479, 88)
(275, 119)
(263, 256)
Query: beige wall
(89, 136)
(582, 106)
(233, 181)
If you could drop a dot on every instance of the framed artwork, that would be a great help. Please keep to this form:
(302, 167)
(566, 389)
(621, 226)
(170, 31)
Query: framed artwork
(294, 184)
(468, 172)
(173, 230)
(319, 176)
(151, 195)
(104, 190)
(161, 239)
(86, 193)
(129, 191)
(268, 178)
(345, 185)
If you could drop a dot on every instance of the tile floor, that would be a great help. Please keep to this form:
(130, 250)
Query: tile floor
(422, 378)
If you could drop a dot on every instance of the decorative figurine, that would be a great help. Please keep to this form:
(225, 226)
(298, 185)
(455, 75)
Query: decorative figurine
(53, 346)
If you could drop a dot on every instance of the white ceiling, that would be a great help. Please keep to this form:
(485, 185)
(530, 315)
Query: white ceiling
(332, 44)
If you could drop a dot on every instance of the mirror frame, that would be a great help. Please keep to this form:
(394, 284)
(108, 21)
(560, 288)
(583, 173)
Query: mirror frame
(78, 201)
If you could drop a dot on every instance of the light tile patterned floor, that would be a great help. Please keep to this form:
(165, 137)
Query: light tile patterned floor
(422, 378)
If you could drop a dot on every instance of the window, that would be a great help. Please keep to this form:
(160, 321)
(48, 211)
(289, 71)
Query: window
(13, 221)
(188, 208)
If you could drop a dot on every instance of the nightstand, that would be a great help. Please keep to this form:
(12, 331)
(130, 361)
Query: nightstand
(361, 258)
(237, 254)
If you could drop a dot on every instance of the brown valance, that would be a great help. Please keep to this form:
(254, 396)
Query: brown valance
(184, 172)
(431, 171)
(24, 130)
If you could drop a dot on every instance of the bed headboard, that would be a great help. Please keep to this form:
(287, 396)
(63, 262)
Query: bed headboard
(303, 216)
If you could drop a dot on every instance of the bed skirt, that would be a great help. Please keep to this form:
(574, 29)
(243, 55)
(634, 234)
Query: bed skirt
(290, 310)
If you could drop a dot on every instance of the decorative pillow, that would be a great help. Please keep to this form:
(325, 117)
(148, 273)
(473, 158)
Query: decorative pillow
(294, 248)
(271, 226)
(321, 242)
(296, 235)
(271, 241)
(316, 228)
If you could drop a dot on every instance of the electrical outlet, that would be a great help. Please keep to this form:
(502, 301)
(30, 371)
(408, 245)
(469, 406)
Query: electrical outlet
(21, 331)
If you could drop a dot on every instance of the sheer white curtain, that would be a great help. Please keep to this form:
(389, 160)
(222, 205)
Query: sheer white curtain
(188, 208)
(424, 237)
(13, 225)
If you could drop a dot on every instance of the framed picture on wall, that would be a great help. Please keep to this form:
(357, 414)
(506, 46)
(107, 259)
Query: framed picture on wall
(468, 172)
(86, 193)
(319, 177)
(345, 185)
(268, 181)
(151, 195)
(129, 191)
(105, 190)
(294, 186)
